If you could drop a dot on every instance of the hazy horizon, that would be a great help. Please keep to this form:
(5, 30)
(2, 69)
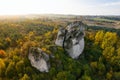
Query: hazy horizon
(66, 7)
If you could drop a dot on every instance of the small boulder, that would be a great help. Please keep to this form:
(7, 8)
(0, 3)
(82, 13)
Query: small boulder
(39, 59)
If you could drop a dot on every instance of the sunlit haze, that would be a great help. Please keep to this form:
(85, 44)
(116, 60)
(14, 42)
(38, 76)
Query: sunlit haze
(78, 7)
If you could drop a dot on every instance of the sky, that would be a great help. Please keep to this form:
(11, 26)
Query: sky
(77, 7)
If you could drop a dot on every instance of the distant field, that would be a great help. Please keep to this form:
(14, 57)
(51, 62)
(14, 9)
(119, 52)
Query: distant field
(103, 20)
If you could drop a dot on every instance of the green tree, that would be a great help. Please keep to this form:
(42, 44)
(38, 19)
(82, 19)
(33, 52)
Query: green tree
(25, 77)
(85, 77)
(94, 66)
(87, 69)
(101, 69)
(10, 71)
(115, 62)
(109, 76)
(65, 75)
(20, 66)
(108, 52)
(116, 75)
(118, 52)
(2, 68)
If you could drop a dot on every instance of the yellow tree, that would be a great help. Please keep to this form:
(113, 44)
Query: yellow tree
(10, 71)
(118, 52)
(118, 43)
(8, 40)
(115, 60)
(2, 67)
(91, 35)
(25, 77)
(99, 37)
(108, 52)
(109, 40)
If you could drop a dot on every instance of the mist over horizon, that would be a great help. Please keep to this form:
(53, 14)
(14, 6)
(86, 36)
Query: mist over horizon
(67, 7)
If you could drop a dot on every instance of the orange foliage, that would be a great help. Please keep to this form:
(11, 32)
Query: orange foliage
(2, 53)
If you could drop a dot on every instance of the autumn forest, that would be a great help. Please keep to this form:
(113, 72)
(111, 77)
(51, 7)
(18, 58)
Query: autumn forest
(100, 59)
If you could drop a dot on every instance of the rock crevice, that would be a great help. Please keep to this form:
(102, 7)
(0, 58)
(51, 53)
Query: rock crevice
(71, 38)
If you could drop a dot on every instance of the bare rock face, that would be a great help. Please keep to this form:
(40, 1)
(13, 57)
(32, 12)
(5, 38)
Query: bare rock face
(39, 59)
(72, 39)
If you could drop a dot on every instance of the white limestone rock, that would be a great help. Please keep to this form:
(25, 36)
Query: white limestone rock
(72, 39)
(77, 49)
(60, 37)
(39, 59)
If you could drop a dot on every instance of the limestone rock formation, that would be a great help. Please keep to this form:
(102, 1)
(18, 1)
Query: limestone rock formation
(72, 38)
(39, 59)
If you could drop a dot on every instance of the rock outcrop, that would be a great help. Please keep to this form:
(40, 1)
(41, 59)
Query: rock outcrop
(39, 59)
(72, 39)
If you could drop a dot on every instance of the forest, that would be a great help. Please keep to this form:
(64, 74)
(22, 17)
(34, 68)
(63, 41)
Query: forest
(100, 59)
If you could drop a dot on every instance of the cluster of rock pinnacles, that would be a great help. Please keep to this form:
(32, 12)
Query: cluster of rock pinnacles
(70, 38)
